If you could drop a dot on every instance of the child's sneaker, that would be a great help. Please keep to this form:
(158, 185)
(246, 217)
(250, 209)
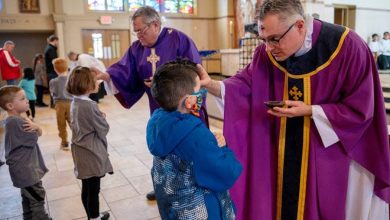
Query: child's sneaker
(105, 216)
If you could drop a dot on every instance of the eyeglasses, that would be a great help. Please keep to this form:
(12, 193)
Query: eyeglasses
(275, 42)
(141, 31)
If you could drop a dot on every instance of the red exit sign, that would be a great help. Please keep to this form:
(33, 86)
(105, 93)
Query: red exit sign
(105, 19)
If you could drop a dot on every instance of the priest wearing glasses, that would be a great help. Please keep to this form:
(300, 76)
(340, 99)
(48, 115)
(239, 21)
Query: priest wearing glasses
(323, 153)
(130, 77)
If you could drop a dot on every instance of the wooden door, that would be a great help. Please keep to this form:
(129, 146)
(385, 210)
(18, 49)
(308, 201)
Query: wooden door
(106, 45)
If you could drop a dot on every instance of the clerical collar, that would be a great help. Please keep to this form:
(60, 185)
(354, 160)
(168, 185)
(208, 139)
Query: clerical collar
(307, 43)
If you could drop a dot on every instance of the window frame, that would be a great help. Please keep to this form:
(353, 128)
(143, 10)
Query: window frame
(105, 10)
(126, 9)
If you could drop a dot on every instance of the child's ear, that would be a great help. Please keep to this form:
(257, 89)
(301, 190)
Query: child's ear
(189, 102)
(9, 106)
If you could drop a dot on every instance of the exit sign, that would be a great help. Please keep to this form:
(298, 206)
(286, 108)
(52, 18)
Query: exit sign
(105, 19)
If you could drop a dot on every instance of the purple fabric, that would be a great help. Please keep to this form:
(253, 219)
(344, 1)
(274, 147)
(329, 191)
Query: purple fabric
(349, 91)
(129, 72)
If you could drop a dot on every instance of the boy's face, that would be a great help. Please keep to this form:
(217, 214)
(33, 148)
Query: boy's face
(20, 103)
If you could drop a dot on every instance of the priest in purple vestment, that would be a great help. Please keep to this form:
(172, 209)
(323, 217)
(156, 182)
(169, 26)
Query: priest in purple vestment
(129, 78)
(325, 153)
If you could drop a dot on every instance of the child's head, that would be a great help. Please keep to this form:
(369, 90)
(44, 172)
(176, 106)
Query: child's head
(81, 81)
(60, 65)
(28, 73)
(38, 58)
(173, 82)
(13, 99)
(375, 37)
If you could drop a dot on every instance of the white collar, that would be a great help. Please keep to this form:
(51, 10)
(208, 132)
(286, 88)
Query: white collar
(307, 43)
(82, 97)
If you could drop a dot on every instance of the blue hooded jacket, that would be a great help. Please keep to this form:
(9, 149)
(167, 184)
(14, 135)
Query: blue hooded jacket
(185, 136)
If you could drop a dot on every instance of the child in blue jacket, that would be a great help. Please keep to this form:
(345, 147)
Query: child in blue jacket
(191, 173)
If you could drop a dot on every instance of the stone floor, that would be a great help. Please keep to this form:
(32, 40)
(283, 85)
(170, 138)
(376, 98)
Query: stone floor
(122, 194)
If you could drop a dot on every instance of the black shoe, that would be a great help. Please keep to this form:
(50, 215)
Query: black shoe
(151, 196)
(105, 216)
(2, 163)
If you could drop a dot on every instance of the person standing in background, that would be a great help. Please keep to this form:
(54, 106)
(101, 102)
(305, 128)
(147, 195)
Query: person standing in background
(9, 65)
(40, 78)
(28, 85)
(375, 46)
(50, 55)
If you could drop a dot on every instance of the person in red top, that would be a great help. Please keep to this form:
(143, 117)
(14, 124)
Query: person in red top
(9, 65)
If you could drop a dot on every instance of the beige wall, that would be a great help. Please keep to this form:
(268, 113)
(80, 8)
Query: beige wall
(209, 27)
(371, 16)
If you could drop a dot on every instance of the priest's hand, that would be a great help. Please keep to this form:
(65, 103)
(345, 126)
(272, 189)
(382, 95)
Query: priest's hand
(295, 109)
(100, 75)
(214, 87)
(203, 76)
(148, 82)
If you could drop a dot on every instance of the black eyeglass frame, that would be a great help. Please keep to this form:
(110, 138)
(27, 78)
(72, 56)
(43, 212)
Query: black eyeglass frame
(275, 42)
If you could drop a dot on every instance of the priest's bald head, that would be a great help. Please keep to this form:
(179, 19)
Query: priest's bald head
(282, 27)
(146, 25)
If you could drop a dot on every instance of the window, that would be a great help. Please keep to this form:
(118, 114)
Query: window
(162, 6)
(165, 6)
(115, 46)
(105, 5)
(97, 39)
(1, 5)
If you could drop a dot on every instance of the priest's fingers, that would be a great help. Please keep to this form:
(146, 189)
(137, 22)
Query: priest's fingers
(302, 110)
(278, 114)
(294, 103)
(148, 83)
(203, 75)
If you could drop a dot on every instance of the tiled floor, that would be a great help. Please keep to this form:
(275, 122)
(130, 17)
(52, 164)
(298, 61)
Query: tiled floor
(123, 194)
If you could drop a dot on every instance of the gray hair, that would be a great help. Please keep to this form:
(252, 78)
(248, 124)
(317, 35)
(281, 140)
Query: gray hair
(71, 53)
(8, 42)
(285, 9)
(148, 15)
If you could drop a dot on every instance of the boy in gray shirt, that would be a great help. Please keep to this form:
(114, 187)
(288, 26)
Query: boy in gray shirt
(61, 99)
(22, 153)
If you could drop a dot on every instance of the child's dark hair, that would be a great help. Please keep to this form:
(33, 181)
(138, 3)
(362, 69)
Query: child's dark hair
(7, 95)
(37, 57)
(172, 81)
(28, 73)
(81, 81)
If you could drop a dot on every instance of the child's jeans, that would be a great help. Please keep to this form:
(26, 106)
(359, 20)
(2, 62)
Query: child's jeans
(33, 201)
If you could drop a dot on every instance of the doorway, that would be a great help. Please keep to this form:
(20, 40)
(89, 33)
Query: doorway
(106, 45)
(345, 15)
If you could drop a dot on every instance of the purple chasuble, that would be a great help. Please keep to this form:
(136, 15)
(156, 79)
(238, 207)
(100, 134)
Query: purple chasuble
(346, 85)
(129, 72)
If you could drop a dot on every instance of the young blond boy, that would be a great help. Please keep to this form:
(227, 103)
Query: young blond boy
(22, 153)
(61, 99)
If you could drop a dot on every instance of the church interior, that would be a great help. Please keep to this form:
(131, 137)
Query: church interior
(225, 33)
